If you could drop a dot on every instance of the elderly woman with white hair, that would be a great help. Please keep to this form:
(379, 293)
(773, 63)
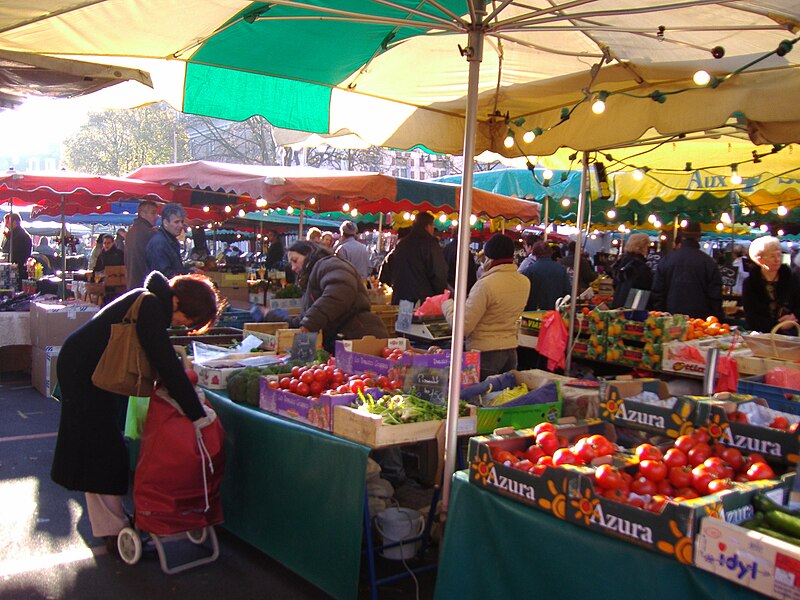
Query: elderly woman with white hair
(771, 294)
(631, 271)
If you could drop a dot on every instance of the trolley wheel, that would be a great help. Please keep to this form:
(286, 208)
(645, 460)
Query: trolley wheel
(129, 545)
(197, 536)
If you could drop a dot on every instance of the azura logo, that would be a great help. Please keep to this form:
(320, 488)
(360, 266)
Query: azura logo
(509, 485)
(640, 417)
(752, 444)
(622, 526)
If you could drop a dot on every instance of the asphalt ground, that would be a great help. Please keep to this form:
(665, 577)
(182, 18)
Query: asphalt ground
(47, 550)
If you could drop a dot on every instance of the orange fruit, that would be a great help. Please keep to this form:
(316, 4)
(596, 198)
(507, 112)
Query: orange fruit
(712, 319)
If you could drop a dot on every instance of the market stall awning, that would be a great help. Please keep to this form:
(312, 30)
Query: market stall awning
(327, 190)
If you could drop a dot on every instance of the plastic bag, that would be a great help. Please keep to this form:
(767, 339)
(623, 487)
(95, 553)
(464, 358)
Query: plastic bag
(552, 342)
(727, 374)
(432, 306)
(785, 377)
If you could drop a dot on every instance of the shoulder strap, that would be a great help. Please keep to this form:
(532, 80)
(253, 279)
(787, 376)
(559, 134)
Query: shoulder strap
(133, 312)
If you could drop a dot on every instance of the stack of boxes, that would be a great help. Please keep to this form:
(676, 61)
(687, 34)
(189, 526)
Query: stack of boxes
(637, 338)
(50, 326)
(8, 276)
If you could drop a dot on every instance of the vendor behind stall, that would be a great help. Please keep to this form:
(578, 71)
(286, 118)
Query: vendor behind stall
(17, 244)
(771, 294)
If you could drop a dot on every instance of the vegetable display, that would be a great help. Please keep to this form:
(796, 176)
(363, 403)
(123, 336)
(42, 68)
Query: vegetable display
(775, 520)
(396, 409)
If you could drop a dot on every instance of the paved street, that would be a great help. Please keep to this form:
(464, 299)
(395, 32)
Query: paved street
(46, 546)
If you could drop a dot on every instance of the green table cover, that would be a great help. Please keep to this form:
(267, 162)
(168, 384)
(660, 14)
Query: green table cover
(295, 493)
(497, 548)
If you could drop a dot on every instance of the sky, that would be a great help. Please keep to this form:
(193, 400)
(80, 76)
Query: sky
(38, 123)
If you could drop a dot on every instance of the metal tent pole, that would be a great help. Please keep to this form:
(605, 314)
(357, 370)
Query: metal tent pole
(474, 55)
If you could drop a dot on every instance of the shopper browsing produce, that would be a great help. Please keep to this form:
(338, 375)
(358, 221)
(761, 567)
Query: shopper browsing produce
(771, 293)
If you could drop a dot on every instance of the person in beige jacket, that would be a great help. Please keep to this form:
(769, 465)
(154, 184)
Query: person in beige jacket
(493, 307)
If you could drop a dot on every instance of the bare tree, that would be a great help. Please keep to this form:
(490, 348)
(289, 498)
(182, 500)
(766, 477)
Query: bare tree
(244, 142)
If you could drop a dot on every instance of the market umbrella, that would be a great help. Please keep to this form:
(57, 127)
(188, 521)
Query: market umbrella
(455, 76)
(328, 190)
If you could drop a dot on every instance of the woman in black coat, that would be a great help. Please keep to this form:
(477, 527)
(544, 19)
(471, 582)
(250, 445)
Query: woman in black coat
(771, 293)
(631, 271)
(90, 453)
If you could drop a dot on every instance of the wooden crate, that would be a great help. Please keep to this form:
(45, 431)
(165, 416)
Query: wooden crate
(758, 365)
(388, 314)
(370, 430)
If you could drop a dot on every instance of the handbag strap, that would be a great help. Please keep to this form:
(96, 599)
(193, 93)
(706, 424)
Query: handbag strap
(133, 312)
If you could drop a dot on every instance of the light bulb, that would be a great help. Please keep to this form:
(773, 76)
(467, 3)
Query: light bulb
(651, 218)
(593, 236)
(406, 216)
(261, 203)
(345, 207)
(598, 107)
(206, 209)
(783, 211)
(454, 222)
(565, 202)
(684, 223)
(241, 212)
(508, 142)
(725, 218)
(764, 228)
(621, 229)
(354, 212)
(519, 227)
(614, 242)
(228, 209)
(611, 214)
(238, 236)
(209, 226)
(442, 218)
(745, 210)
(662, 237)
(706, 246)
(547, 174)
(720, 226)
(258, 236)
(701, 78)
(736, 179)
(657, 224)
(638, 175)
(290, 210)
(472, 220)
(412, 217)
(528, 137)
(312, 201)
(780, 232)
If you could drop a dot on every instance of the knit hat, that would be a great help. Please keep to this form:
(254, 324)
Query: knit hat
(692, 230)
(348, 228)
(499, 246)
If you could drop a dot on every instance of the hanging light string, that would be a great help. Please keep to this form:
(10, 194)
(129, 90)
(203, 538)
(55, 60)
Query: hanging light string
(599, 97)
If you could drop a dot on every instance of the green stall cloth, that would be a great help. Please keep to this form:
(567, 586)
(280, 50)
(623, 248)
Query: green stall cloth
(497, 548)
(295, 493)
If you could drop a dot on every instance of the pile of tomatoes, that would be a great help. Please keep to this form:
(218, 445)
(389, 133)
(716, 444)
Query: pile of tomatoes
(327, 379)
(778, 422)
(553, 450)
(691, 468)
(397, 353)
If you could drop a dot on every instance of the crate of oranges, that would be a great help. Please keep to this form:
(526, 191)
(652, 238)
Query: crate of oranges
(708, 327)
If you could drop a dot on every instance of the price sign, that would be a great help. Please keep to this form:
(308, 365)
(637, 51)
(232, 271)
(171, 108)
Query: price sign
(652, 260)
(729, 275)
(404, 316)
(428, 383)
(304, 346)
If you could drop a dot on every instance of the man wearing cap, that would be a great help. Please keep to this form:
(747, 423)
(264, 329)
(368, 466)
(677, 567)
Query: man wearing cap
(163, 252)
(493, 307)
(687, 280)
(352, 250)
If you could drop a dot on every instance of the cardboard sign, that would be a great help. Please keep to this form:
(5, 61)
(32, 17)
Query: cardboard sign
(428, 383)
(304, 346)
(404, 316)
(729, 275)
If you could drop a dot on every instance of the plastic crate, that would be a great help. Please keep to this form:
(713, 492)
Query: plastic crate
(234, 317)
(776, 397)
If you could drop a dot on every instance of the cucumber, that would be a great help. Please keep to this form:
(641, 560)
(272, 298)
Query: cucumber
(765, 504)
(777, 535)
(784, 523)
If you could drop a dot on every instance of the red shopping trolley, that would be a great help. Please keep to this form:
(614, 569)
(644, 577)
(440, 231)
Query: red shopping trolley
(176, 491)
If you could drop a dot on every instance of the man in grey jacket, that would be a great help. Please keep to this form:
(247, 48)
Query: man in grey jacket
(139, 234)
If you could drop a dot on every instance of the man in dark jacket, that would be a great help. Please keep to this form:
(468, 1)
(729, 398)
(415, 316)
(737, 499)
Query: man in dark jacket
(549, 279)
(136, 240)
(419, 269)
(687, 280)
(163, 251)
(450, 255)
(17, 245)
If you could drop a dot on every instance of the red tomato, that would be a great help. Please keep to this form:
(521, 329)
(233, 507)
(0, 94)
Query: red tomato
(338, 376)
(608, 477)
(615, 494)
(754, 457)
(523, 465)
(319, 375)
(684, 443)
(584, 451)
(760, 470)
(274, 384)
(719, 467)
(369, 382)
(547, 441)
(316, 388)
(636, 501)
(733, 457)
(675, 457)
(701, 477)
(737, 416)
(793, 427)
(686, 493)
(357, 385)
(534, 453)
(384, 383)
(780, 422)
(698, 453)
(564, 456)
(307, 377)
(329, 372)
(680, 477)
(543, 426)
(296, 372)
(601, 445)
(503, 456)
(701, 435)
(648, 452)
(343, 389)
(386, 351)
(719, 485)
(642, 486)
(657, 503)
(537, 469)
(654, 470)
(284, 382)
(546, 460)
(665, 488)
(303, 388)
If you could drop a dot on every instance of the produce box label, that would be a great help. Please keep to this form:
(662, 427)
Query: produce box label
(317, 412)
(623, 404)
(713, 415)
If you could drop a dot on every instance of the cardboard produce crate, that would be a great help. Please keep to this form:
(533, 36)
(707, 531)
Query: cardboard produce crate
(754, 560)
(689, 357)
(518, 417)
(370, 430)
(317, 412)
(51, 323)
(213, 374)
(43, 369)
(640, 325)
(750, 364)
(633, 353)
(618, 407)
